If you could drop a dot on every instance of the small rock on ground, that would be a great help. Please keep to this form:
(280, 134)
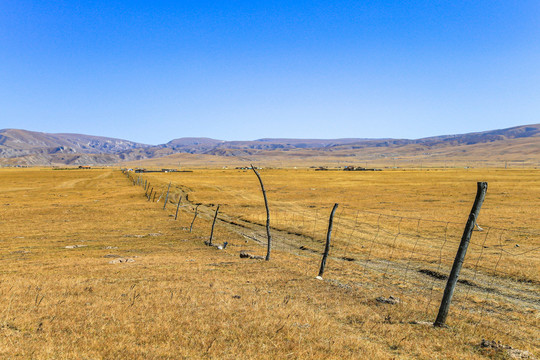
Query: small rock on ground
(390, 300)
(75, 246)
(121, 260)
(510, 351)
(246, 255)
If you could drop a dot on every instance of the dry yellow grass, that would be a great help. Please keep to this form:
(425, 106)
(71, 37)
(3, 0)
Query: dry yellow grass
(181, 299)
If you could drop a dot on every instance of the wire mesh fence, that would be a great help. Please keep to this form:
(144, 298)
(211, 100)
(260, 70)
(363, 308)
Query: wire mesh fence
(406, 261)
(400, 264)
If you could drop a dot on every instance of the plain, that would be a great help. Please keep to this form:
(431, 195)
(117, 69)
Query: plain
(94, 269)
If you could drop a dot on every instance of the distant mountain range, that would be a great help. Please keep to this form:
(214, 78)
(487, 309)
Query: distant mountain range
(35, 148)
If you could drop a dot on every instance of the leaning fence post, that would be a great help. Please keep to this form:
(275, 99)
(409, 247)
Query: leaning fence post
(213, 224)
(167, 196)
(267, 215)
(460, 256)
(150, 194)
(194, 217)
(177, 207)
(327, 246)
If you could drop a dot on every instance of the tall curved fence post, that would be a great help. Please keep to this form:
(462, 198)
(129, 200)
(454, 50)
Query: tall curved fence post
(269, 246)
(481, 189)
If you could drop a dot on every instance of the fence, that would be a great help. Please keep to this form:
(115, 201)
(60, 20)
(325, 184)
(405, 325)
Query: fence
(399, 264)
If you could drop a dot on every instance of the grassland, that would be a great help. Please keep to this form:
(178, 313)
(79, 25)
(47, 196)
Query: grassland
(301, 200)
(181, 299)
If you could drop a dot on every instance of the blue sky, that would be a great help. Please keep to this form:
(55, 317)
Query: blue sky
(151, 71)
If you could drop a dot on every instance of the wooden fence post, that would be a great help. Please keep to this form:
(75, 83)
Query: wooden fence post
(150, 195)
(327, 246)
(269, 247)
(177, 207)
(167, 196)
(194, 217)
(213, 224)
(460, 255)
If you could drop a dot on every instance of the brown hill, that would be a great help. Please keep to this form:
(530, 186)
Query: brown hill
(520, 143)
(22, 142)
(37, 148)
(518, 146)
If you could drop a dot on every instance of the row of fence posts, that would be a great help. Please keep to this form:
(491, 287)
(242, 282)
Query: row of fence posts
(151, 195)
(456, 266)
(146, 185)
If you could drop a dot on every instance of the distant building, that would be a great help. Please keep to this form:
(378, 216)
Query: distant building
(359, 168)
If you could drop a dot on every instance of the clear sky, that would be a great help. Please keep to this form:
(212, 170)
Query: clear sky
(151, 71)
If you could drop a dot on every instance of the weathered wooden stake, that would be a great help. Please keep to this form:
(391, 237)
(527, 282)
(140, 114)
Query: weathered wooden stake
(327, 246)
(213, 224)
(269, 247)
(154, 198)
(167, 196)
(177, 207)
(194, 217)
(150, 195)
(460, 256)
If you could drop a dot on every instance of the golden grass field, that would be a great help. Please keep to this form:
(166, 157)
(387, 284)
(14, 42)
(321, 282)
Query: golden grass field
(182, 299)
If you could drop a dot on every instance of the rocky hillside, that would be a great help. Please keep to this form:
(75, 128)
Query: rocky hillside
(36, 148)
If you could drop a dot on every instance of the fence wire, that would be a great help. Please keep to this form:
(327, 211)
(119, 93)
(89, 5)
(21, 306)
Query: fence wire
(399, 265)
